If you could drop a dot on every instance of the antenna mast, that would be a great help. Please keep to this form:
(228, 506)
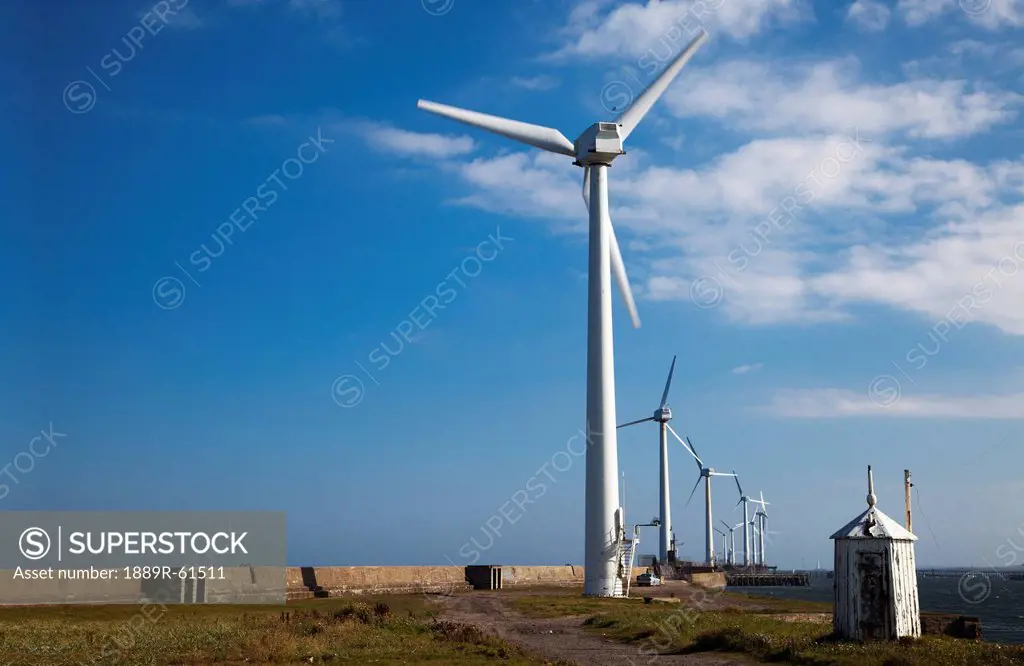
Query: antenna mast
(907, 485)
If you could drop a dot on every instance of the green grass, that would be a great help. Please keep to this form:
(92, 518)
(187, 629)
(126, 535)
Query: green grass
(759, 633)
(380, 630)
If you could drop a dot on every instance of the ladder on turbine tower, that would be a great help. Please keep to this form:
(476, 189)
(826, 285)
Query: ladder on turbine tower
(628, 555)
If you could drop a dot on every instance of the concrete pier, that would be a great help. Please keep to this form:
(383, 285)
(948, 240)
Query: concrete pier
(801, 579)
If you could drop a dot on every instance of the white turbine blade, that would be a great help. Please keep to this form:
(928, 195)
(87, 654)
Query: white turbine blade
(726, 525)
(699, 479)
(619, 271)
(618, 266)
(538, 136)
(668, 382)
(700, 463)
(738, 486)
(649, 418)
(692, 447)
(632, 116)
(721, 474)
(586, 186)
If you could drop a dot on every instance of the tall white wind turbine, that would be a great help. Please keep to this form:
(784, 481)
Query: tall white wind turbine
(594, 150)
(662, 415)
(705, 473)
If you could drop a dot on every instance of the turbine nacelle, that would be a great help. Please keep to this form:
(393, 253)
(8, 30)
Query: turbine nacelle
(663, 414)
(599, 144)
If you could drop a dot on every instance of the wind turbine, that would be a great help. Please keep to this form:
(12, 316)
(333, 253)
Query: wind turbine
(732, 541)
(746, 520)
(725, 545)
(662, 415)
(705, 473)
(594, 150)
(760, 516)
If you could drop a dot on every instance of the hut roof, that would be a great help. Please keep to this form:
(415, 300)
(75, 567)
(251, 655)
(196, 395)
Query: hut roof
(873, 524)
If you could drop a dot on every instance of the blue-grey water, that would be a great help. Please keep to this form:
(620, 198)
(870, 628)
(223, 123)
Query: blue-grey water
(993, 598)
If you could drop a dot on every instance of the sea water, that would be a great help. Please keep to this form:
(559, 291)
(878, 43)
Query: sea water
(1001, 609)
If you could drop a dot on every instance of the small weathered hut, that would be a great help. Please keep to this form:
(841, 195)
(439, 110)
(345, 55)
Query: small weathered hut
(875, 577)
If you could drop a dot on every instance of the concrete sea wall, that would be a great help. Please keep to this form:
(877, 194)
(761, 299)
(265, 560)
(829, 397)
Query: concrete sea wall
(273, 584)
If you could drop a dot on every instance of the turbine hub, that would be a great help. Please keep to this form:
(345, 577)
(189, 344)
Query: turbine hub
(599, 144)
(663, 415)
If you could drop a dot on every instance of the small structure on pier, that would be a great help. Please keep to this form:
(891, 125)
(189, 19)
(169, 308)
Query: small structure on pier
(875, 577)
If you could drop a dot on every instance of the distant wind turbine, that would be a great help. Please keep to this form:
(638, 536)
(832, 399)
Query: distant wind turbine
(732, 541)
(746, 520)
(662, 415)
(705, 473)
(725, 545)
(761, 516)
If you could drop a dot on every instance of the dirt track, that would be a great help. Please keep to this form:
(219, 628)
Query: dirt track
(561, 638)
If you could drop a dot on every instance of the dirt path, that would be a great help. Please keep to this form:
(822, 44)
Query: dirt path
(561, 638)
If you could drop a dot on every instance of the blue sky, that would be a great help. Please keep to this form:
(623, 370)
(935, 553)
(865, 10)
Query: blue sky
(260, 382)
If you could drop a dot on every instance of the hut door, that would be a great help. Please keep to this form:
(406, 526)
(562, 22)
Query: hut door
(873, 595)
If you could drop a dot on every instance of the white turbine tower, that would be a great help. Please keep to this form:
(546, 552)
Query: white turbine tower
(705, 473)
(746, 523)
(594, 150)
(662, 415)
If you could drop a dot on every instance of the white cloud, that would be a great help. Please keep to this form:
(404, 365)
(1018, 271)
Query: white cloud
(841, 403)
(836, 200)
(746, 369)
(636, 28)
(821, 246)
(402, 142)
(969, 270)
(542, 82)
(828, 97)
(991, 14)
(869, 15)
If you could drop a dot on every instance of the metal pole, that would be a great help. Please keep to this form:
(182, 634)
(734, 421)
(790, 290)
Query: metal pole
(907, 485)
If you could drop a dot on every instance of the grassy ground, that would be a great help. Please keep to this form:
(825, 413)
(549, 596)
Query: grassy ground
(401, 629)
(766, 634)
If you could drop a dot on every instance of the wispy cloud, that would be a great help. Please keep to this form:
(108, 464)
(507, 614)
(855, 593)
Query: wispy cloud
(831, 403)
(415, 144)
(869, 15)
(746, 369)
(634, 28)
(991, 14)
(541, 82)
